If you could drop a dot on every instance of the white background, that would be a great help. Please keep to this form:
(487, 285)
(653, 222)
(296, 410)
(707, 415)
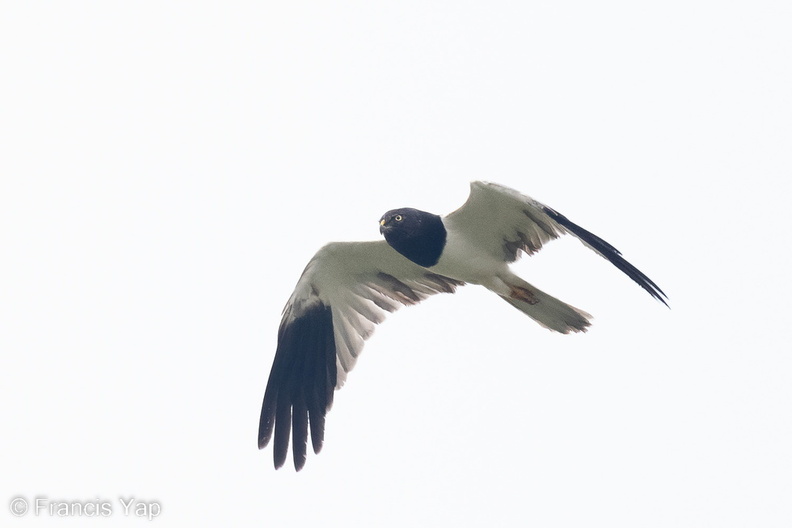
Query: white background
(168, 168)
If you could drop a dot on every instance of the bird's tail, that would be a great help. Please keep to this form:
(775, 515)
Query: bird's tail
(546, 309)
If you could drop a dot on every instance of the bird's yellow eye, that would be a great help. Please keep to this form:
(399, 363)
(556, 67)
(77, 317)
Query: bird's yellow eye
(398, 218)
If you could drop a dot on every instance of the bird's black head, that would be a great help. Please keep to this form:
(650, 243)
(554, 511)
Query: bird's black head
(417, 235)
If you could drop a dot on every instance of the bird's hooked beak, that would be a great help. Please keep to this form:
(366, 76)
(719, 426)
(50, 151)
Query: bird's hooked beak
(382, 225)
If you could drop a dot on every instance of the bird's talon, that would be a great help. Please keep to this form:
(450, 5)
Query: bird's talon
(523, 294)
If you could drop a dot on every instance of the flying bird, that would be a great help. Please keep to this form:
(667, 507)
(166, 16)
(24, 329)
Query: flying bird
(347, 288)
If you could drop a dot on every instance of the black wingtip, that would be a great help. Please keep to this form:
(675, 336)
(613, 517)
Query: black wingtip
(611, 254)
(267, 420)
(300, 386)
(299, 431)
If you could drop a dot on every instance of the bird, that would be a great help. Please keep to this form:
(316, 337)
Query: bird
(348, 288)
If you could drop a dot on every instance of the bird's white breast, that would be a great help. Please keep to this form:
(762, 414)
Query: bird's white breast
(463, 259)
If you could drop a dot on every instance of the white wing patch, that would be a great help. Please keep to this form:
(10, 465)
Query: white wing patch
(503, 222)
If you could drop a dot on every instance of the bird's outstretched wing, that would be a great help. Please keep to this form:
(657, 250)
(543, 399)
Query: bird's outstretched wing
(504, 222)
(346, 289)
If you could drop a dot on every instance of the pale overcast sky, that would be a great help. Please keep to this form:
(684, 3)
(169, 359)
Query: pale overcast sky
(168, 169)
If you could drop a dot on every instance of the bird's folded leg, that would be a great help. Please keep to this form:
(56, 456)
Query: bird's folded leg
(522, 294)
